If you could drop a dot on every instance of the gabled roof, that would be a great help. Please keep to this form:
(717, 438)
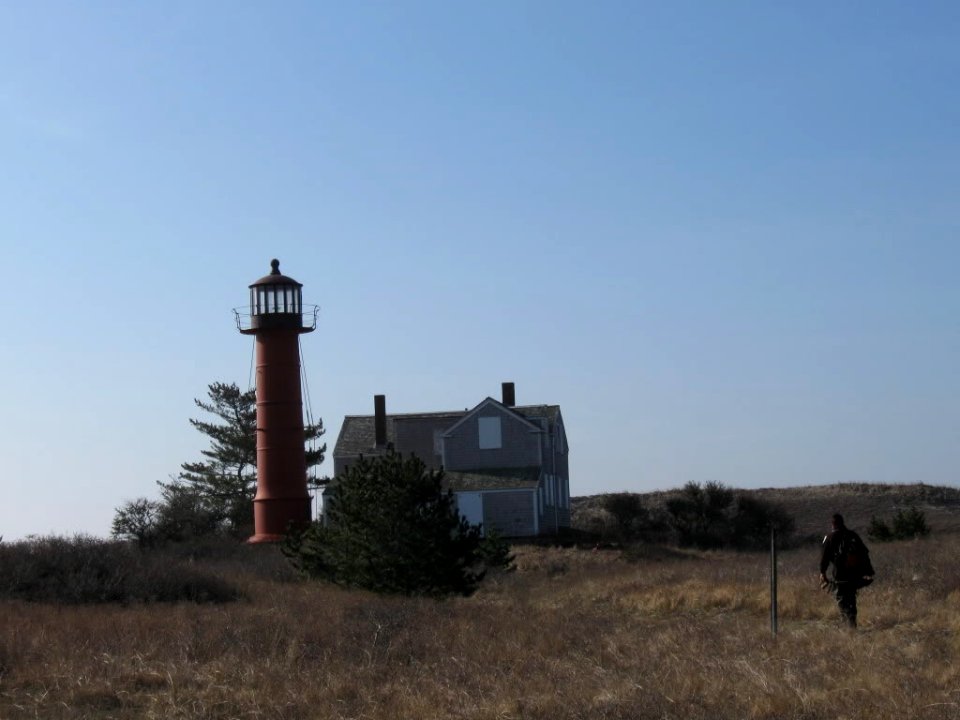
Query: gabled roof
(358, 436)
(487, 402)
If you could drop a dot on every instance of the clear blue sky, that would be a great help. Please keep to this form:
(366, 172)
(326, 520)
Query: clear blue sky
(724, 237)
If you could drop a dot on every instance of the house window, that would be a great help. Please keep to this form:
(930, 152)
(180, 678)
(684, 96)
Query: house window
(489, 428)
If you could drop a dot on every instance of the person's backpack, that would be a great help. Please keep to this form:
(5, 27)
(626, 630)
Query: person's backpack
(853, 560)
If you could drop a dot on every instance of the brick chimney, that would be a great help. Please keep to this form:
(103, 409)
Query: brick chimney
(380, 419)
(509, 398)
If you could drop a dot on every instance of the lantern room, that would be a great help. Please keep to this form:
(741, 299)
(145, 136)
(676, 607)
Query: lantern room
(276, 302)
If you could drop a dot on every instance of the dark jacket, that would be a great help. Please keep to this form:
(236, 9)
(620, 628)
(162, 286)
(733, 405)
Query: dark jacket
(850, 557)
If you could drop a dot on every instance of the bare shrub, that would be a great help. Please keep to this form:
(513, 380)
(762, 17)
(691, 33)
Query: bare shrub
(83, 569)
(714, 516)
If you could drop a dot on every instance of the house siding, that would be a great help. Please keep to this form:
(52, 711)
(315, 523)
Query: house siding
(519, 447)
(552, 517)
(341, 463)
(509, 513)
(415, 435)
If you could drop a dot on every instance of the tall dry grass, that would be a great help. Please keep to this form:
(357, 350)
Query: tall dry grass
(570, 634)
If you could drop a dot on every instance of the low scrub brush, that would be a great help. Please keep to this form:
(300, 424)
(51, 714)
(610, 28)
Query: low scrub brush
(83, 569)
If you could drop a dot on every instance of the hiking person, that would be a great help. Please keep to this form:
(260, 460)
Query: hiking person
(851, 567)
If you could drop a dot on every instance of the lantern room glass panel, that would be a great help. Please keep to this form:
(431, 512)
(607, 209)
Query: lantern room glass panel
(276, 299)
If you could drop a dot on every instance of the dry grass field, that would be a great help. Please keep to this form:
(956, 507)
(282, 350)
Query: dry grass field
(570, 634)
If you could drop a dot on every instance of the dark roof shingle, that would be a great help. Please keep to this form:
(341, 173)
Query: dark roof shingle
(357, 435)
(492, 479)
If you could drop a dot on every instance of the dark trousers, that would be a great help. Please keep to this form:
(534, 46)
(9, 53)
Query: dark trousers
(846, 595)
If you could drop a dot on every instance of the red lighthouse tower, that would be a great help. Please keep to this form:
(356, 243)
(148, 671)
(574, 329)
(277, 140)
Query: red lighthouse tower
(276, 320)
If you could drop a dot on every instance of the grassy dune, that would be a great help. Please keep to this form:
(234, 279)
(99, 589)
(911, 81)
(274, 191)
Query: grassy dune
(812, 506)
(570, 634)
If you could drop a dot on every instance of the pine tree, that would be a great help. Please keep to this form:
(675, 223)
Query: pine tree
(910, 523)
(224, 482)
(392, 528)
(905, 525)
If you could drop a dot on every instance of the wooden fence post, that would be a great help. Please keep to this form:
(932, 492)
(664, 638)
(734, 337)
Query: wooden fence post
(773, 580)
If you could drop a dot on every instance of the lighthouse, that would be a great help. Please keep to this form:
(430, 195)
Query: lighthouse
(276, 321)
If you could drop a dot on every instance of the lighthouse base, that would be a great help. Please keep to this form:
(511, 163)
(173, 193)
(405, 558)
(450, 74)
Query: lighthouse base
(273, 518)
(255, 539)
